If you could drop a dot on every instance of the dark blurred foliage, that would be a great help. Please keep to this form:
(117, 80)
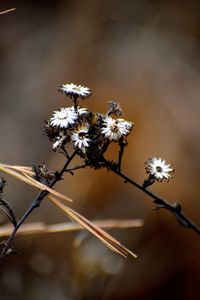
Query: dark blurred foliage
(144, 54)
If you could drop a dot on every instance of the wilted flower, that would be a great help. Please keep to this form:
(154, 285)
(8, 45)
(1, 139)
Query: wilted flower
(43, 174)
(114, 129)
(114, 108)
(158, 169)
(64, 117)
(80, 136)
(73, 90)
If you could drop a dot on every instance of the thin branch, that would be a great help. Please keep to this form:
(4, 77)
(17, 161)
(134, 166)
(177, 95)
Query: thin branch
(8, 211)
(7, 11)
(36, 203)
(76, 168)
(121, 152)
(65, 152)
(174, 208)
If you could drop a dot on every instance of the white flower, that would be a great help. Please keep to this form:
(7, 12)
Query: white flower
(74, 90)
(79, 136)
(158, 169)
(64, 117)
(114, 129)
(59, 140)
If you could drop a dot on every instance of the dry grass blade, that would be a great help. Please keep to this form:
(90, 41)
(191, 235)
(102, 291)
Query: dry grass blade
(7, 11)
(24, 169)
(106, 238)
(17, 175)
(21, 173)
(26, 229)
(44, 187)
(41, 228)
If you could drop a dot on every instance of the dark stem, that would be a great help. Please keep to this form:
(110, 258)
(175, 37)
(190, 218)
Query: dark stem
(76, 168)
(36, 203)
(65, 152)
(121, 152)
(174, 208)
(75, 98)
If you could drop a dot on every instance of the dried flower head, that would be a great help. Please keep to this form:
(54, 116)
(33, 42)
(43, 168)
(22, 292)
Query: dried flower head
(80, 136)
(114, 108)
(42, 174)
(114, 129)
(158, 169)
(64, 117)
(74, 91)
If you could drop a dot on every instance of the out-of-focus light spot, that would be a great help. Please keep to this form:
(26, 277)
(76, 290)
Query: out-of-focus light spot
(111, 264)
(41, 263)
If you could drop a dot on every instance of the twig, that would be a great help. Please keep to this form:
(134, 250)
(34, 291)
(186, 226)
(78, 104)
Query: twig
(174, 208)
(121, 152)
(65, 152)
(76, 168)
(7, 11)
(36, 203)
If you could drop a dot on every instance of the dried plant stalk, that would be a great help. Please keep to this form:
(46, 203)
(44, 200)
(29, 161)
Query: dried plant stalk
(23, 173)
(42, 228)
(7, 11)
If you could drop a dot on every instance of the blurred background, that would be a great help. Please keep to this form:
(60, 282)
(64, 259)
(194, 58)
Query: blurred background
(146, 55)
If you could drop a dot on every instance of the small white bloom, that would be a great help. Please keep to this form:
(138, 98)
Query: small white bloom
(59, 140)
(74, 90)
(64, 117)
(114, 129)
(158, 168)
(79, 136)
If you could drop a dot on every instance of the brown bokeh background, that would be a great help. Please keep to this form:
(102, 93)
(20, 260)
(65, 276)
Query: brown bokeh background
(146, 55)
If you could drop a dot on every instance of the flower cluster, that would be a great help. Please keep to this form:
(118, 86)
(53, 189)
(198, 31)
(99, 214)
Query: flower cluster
(90, 133)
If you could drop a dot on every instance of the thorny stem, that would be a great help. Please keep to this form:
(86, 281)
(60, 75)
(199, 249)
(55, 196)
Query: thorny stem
(174, 208)
(36, 203)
